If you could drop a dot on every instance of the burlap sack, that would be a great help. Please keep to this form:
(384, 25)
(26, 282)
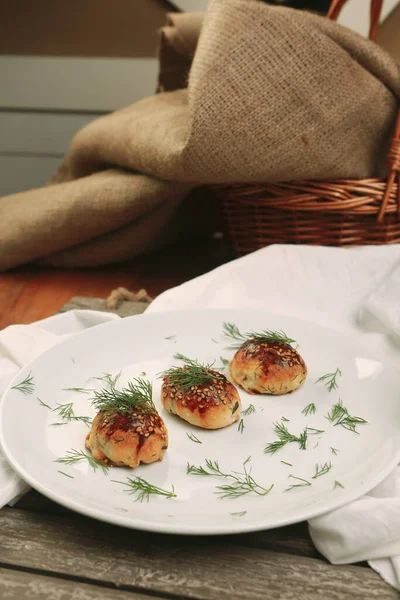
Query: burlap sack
(273, 94)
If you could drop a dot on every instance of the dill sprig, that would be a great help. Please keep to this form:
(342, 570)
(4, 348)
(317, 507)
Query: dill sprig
(27, 386)
(136, 396)
(310, 409)
(66, 474)
(338, 484)
(241, 426)
(193, 438)
(193, 373)
(285, 438)
(322, 469)
(144, 489)
(66, 412)
(76, 456)
(313, 431)
(250, 409)
(304, 483)
(339, 415)
(108, 378)
(266, 336)
(243, 483)
(225, 363)
(330, 379)
(286, 463)
(43, 403)
(78, 390)
(334, 450)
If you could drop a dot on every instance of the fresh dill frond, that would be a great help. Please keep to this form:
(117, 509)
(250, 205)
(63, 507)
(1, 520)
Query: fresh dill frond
(66, 474)
(73, 457)
(266, 336)
(339, 415)
(334, 450)
(58, 424)
(66, 412)
(108, 378)
(144, 489)
(78, 390)
(313, 431)
(225, 363)
(136, 396)
(193, 438)
(338, 410)
(338, 484)
(43, 403)
(330, 379)
(239, 514)
(310, 409)
(304, 483)
(170, 337)
(27, 386)
(243, 483)
(322, 469)
(286, 463)
(193, 373)
(285, 419)
(285, 437)
(241, 426)
(250, 409)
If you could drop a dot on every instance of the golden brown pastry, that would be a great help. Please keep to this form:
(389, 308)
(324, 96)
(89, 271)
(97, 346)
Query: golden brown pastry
(267, 368)
(212, 403)
(127, 439)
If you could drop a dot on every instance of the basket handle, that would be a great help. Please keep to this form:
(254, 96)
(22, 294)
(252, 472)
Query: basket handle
(393, 160)
(375, 15)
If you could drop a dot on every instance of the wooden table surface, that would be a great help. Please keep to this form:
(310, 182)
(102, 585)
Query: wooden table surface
(49, 552)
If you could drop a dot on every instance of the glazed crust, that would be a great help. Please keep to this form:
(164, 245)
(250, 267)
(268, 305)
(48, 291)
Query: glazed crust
(212, 405)
(267, 368)
(127, 439)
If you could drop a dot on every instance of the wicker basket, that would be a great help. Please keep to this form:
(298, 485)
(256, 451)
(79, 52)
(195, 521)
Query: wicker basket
(330, 213)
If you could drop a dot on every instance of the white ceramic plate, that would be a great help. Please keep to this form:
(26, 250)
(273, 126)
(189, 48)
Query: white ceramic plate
(368, 388)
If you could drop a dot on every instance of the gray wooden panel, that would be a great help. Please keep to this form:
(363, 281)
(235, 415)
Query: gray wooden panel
(39, 133)
(17, 585)
(81, 84)
(184, 567)
(20, 173)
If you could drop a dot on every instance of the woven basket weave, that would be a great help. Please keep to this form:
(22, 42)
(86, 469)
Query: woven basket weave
(331, 213)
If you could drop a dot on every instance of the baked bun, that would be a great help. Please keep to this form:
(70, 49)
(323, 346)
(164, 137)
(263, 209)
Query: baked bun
(213, 404)
(267, 368)
(128, 438)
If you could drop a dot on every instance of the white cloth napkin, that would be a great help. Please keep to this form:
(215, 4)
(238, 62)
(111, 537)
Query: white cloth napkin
(355, 291)
(19, 344)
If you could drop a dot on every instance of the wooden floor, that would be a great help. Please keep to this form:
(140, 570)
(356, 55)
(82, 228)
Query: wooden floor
(32, 292)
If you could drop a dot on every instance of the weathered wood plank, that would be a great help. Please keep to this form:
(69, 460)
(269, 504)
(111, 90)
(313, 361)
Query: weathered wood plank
(293, 539)
(181, 566)
(19, 585)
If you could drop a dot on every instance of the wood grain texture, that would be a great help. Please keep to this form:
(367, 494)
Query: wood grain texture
(33, 292)
(17, 585)
(185, 567)
(293, 539)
